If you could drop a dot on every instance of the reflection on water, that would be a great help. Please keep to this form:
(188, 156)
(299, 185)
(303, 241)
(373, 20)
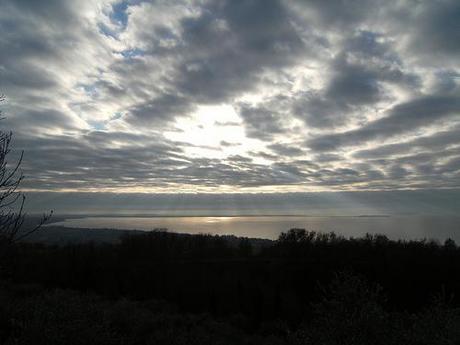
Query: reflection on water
(395, 227)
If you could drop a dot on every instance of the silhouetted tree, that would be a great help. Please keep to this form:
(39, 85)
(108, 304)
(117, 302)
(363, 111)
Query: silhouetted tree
(11, 198)
(245, 247)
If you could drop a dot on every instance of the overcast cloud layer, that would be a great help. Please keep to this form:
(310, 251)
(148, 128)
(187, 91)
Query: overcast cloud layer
(170, 96)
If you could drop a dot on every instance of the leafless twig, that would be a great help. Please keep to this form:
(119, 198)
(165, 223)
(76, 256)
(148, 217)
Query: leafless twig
(12, 200)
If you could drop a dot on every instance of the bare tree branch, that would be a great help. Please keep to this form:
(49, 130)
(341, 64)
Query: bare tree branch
(12, 200)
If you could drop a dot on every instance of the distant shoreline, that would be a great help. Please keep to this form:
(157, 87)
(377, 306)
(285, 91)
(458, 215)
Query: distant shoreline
(78, 216)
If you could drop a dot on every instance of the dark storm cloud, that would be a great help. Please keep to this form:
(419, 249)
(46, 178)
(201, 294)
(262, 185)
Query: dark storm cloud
(452, 165)
(261, 123)
(285, 150)
(33, 121)
(434, 168)
(319, 111)
(93, 88)
(43, 52)
(95, 161)
(446, 82)
(328, 157)
(400, 119)
(341, 14)
(359, 76)
(165, 107)
(231, 42)
(221, 52)
(439, 28)
(437, 141)
(353, 84)
(264, 155)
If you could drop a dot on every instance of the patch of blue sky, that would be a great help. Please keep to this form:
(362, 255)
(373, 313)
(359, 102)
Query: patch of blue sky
(119, 14)
(102, 125)
(90, 90)
(119, 17)
(132, 53)
(116, 116)
(97, 125)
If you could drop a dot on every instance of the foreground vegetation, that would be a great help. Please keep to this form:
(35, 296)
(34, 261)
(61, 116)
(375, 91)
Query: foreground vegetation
(164, 288)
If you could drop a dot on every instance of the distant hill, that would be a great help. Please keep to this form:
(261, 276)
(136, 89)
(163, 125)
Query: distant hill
(60, 235)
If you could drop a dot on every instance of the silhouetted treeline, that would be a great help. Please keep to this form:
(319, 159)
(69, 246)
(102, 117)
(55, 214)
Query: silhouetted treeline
(281, 285)
(278, 281)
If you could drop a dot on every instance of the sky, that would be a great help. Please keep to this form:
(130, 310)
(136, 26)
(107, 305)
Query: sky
(232, 96)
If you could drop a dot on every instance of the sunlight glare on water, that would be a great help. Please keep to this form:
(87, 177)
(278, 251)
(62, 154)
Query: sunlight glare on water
(396, 227)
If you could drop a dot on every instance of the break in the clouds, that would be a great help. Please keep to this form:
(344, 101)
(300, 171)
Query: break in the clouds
(233, 95)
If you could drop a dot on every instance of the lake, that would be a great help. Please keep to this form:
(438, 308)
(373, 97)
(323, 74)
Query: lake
(395, 227)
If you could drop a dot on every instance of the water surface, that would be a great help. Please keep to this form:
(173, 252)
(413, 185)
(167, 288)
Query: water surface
(395, 227)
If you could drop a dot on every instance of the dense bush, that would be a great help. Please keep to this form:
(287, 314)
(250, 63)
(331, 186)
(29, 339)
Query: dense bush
(221, 291)
(350, 312)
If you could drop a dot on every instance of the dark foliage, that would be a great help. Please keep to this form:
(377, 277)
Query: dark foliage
(276, 292)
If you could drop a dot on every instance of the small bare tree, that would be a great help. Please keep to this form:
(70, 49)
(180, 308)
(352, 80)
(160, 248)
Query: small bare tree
(12, 200)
